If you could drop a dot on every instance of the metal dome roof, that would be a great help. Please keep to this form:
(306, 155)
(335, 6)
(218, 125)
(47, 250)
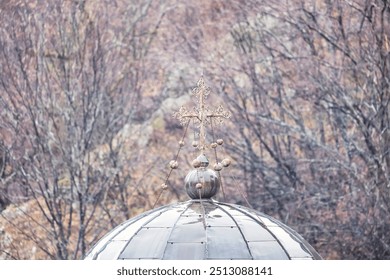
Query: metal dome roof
(202, 229)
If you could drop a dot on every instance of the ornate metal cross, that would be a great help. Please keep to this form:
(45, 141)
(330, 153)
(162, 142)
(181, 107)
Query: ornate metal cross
(202, 114)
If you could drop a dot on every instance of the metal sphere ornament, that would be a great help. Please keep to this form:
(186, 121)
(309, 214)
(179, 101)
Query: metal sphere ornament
(173, 164)
(164, 186)
(213, 145)
(219, 141)
(195, 144)
(181, 143)
(226, 162)
(202, 182)
(218, 166)
(196, 163)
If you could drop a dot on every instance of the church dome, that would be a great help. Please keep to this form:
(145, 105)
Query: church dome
(202, 229)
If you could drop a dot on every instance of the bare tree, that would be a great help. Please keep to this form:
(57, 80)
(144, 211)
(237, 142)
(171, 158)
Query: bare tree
(70, 81)
(307, 83)
(310, 96)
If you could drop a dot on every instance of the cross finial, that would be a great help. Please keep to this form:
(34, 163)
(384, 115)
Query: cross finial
(202, 114)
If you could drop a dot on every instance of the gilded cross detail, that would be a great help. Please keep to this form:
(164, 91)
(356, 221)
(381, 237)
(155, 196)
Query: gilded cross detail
(202, 113)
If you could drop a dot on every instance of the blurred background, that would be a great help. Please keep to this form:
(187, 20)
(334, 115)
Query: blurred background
(88, 89)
